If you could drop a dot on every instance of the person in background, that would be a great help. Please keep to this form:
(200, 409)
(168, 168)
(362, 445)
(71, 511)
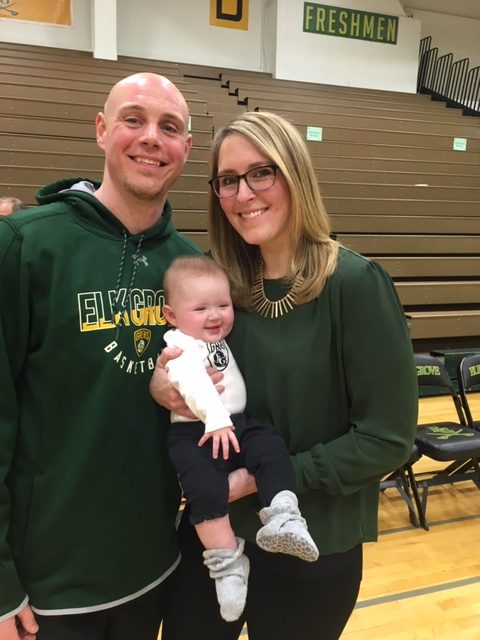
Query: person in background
(9, 205)
(199, 307)
(88, 498)
(321, 340)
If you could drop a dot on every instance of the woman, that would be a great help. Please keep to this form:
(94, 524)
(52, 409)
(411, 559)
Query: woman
(321, 339)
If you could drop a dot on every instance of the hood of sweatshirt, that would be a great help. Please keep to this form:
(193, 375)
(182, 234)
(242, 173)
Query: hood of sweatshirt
(89, 212)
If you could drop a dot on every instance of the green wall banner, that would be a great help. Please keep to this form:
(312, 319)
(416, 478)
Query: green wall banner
(58, 12)
(349, 23)
(232, 14)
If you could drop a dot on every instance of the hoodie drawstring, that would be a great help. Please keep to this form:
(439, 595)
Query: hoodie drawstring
(120, 311)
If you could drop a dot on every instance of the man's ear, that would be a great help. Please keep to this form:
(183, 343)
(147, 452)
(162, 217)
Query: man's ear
(101, 128)
(169, 315)
(188, 147)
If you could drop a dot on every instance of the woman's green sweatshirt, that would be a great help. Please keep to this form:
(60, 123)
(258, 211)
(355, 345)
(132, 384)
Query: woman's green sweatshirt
(87, 497)
(336, 377)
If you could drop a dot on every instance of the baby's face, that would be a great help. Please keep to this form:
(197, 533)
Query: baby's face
(202, 307)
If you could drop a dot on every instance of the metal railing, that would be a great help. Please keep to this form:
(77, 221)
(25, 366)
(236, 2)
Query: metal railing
(449, 81)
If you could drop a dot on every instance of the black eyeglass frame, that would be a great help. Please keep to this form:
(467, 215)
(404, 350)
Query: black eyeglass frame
(243, 176)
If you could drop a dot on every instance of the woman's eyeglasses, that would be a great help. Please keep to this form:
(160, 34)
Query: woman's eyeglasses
(257, 179)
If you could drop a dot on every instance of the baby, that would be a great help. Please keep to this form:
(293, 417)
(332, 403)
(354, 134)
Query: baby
(199, 307)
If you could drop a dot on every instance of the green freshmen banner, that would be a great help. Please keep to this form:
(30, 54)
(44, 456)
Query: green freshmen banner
(349, 23)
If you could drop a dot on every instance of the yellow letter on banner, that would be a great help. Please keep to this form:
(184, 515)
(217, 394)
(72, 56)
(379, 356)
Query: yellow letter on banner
(232, 14)
(49, 11)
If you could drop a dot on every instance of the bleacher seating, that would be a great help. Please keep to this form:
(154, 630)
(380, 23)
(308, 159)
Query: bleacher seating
(394, 187)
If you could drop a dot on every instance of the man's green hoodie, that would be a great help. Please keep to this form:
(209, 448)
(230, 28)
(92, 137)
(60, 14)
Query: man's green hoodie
(87, 497)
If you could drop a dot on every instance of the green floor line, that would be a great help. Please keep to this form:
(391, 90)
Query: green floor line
(459, 519)
(438, 523)
(387, 532)
(415, 593)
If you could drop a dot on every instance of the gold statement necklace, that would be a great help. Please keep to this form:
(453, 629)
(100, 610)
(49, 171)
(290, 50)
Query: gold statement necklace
(273, 308)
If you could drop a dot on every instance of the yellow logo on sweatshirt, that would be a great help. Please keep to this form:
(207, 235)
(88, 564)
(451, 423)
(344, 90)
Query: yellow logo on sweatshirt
(139, 307)
(141, 339)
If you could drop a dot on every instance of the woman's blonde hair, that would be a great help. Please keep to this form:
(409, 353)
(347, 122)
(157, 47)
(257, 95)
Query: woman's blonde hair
(314, 252)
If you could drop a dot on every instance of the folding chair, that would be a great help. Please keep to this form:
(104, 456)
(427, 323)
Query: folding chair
(403, 479)
(469, 381)
(445, 441)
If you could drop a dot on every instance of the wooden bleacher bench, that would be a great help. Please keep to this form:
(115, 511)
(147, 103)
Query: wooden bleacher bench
(82, 94)
(258, 97)
(65, 68)
(66, 111)
(392, 191)
(238, 81)
(356, 149)
(73, 129)
(411, 244)
(387, 122)
(406, 223)
(444, 325)
(334, 104)
(405, 170)
(392, 206)
(416, 267)
(32, 103)
(391, 137)
(193, 220)
(416, 294)
(24, 54)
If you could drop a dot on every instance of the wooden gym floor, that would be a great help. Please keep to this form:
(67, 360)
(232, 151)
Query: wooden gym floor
(417, 584)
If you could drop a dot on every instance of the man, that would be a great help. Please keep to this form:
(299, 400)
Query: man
(87, 498)
(9, 205)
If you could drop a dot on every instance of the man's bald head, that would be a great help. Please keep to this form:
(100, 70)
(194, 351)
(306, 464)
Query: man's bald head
(141, 83)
